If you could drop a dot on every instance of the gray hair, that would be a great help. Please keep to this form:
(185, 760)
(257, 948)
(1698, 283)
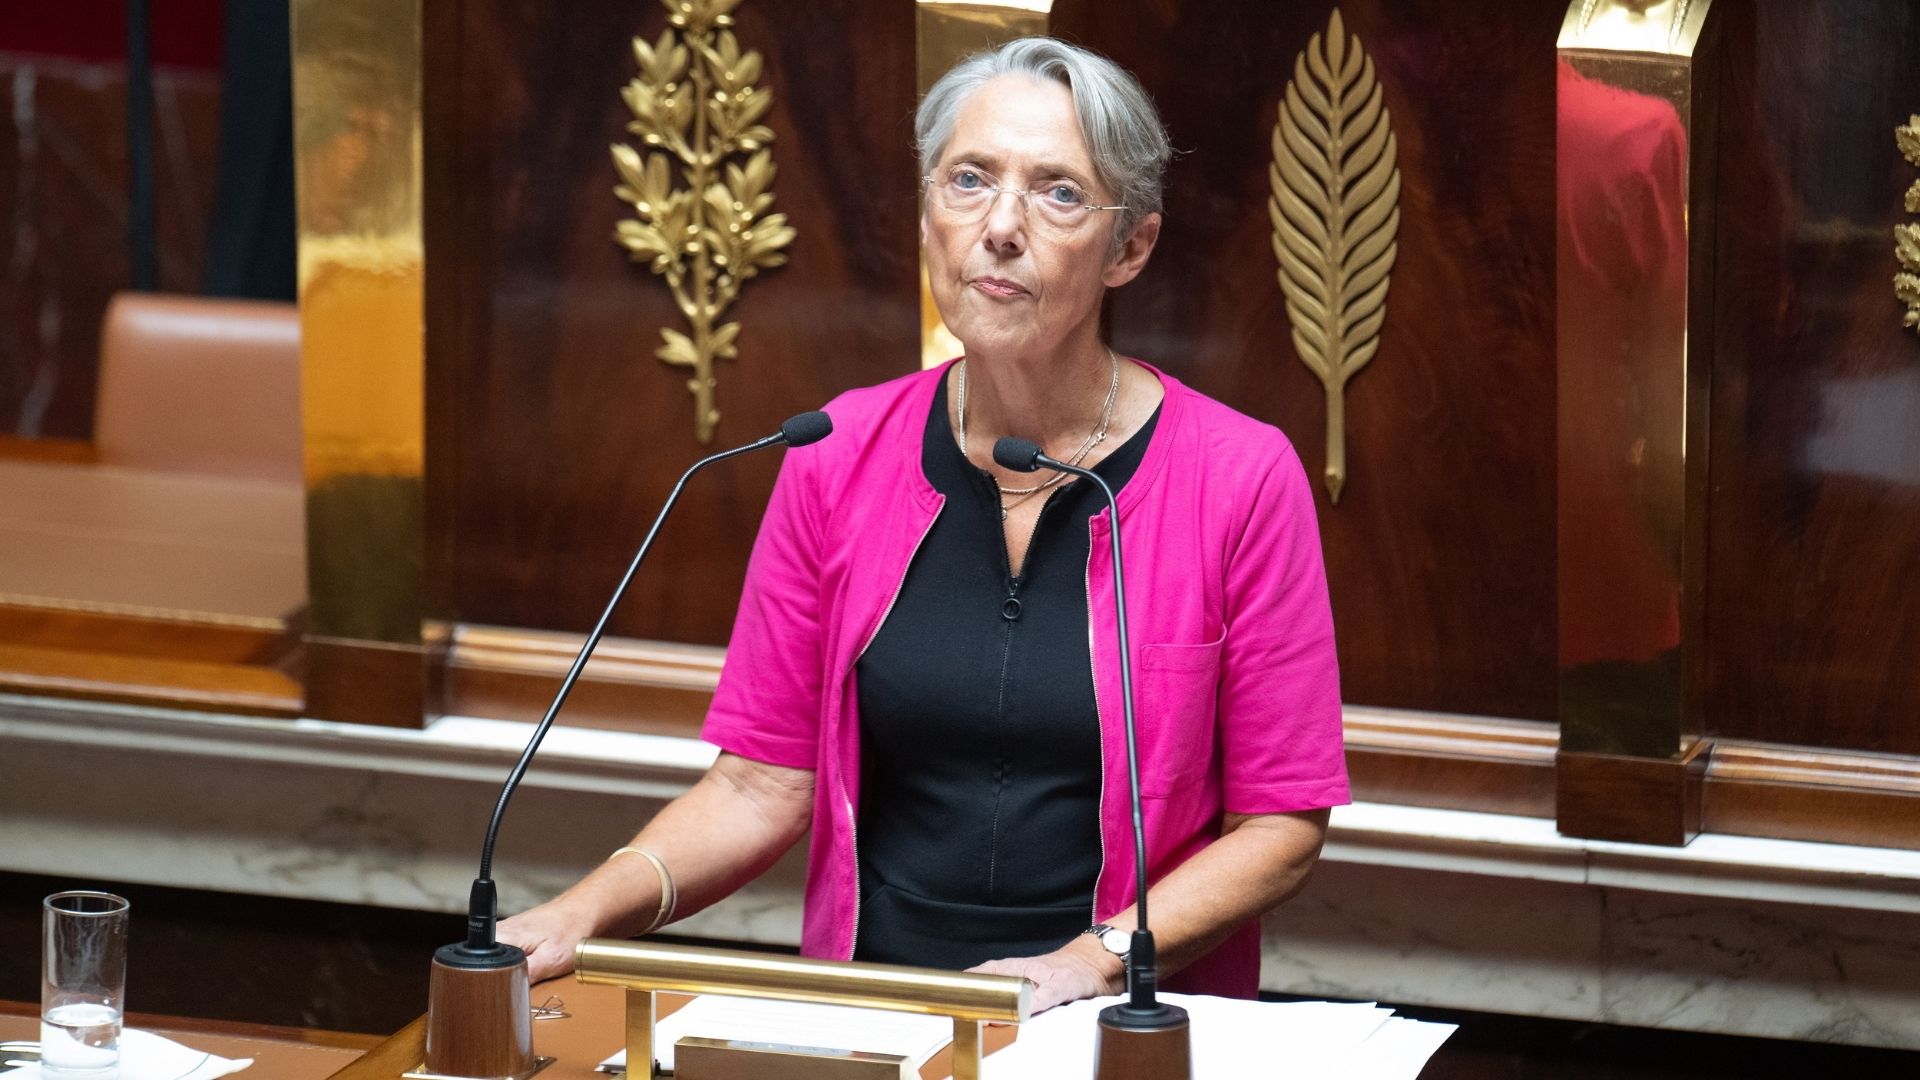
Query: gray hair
(1117, 118)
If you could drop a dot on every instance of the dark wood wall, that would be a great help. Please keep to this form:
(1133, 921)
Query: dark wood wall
(554, 433)
(64, 208)
(1814, 550)
(1440, 553)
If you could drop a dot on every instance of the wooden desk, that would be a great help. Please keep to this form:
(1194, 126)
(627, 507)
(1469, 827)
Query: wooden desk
(278, 1053)
(595, 1029)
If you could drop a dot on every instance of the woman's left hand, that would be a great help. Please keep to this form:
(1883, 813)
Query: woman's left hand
(1079, 969)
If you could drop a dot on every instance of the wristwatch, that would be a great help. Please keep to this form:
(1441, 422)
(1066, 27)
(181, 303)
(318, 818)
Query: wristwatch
(1113, 939)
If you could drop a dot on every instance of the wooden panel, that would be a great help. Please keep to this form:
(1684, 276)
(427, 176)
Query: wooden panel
(553, 432)
(1418, 759)
(1440, 553)
(66, 451)
(1452, 762)
(365, 682)
(341, 966)
(649, 686)
(1758, 789)
(1635, 800)
(63, 196)
(1813, 617)
(154, 636)
(234, 666)
(141, 680)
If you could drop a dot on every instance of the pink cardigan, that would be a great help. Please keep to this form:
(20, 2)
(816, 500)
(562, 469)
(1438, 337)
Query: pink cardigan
(1237, 692)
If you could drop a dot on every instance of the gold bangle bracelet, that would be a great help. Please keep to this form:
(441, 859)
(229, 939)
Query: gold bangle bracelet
(669, 896)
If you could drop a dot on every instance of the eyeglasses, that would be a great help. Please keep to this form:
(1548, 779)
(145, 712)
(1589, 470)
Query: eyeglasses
(966, 194)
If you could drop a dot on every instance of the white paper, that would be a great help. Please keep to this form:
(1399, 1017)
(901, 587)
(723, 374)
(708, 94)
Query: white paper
(792, 1023)
(1400, 1048)
(1233, 1038)
(146, 1056)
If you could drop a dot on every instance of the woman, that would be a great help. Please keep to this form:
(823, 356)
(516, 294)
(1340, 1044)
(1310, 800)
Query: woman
(924, 668)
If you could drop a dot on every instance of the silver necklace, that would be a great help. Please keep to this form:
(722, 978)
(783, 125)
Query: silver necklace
(1098, 435)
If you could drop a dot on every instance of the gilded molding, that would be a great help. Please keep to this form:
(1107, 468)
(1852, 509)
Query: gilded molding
(362, 272)
(1650, 26)
(1335, 211)
(1906, 236)
(697, 114)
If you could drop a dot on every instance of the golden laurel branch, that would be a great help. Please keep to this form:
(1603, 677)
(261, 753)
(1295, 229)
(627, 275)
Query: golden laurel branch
(1335, 211)
(1906, 237)
(696, 110)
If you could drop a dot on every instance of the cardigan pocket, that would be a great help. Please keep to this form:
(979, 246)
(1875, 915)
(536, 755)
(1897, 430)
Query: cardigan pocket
(1176, 689)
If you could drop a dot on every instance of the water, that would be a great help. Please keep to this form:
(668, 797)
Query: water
(80, 1038)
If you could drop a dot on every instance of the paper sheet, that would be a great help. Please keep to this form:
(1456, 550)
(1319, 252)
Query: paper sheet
(1400, 1048)
(792, 1023)
(146, 1056)
(1234, 1039)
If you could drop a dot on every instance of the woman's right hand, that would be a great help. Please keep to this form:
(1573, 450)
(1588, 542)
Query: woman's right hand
(722, 833)
(548, 935)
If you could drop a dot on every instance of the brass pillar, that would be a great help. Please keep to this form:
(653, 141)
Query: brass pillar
(1634, 212)
(357, 166)
(946, 33)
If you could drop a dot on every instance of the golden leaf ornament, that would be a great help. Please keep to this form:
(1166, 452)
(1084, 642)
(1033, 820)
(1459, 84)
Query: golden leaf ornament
(1335, 211)
(700, 184)
(1906, 237)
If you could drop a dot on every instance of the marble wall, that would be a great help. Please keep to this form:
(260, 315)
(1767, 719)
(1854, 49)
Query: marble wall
(1417, 907)
(1584, 952)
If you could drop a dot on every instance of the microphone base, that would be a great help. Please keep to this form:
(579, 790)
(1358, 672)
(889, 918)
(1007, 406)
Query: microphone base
(421, 1072)
(1143, 1044)
(479, 1021)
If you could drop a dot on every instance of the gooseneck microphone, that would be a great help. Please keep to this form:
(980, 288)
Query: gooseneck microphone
(808, 427)
(467, 1022)
(1149, 1036)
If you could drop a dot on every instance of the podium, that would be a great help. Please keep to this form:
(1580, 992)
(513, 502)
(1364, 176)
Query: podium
(595, 1027)
(644, 969)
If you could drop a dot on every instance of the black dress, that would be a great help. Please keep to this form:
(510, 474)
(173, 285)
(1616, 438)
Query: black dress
(978, 833)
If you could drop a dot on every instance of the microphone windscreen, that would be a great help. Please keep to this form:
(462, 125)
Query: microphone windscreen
(808, 427)
(1020, 455)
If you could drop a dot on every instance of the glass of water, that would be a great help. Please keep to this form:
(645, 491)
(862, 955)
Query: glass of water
(83, 983)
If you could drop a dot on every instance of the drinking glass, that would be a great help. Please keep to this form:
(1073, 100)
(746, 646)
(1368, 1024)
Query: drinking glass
(83, 983)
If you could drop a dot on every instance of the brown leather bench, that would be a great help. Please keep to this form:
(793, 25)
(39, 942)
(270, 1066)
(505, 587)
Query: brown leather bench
(195, 501)
(195, 385)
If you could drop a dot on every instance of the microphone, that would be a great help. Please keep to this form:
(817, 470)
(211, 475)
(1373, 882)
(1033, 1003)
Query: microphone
(478, 993)
(808, 427)
(1151, 1035)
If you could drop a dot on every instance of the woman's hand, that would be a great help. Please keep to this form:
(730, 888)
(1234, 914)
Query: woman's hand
(1078, 969)
(548, 935)
(721, 834)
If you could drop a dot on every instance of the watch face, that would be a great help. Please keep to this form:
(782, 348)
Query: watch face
(1116, 941)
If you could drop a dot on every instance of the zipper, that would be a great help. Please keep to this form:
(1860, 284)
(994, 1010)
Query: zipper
(1010, 614)
(853, 835)
(853, 822)
(1099, 716)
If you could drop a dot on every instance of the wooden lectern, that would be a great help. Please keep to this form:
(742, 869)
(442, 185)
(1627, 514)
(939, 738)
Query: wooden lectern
(646, 980)
(645, 968)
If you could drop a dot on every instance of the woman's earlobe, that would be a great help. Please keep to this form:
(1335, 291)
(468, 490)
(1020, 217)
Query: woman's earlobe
(1133, 254)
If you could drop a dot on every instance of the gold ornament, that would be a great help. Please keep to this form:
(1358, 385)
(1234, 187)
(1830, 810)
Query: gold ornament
(1335, 211)
(697, 112)
(1906, 238)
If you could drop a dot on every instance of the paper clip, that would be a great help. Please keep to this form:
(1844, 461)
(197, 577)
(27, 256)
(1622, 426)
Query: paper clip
(551, 1009)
